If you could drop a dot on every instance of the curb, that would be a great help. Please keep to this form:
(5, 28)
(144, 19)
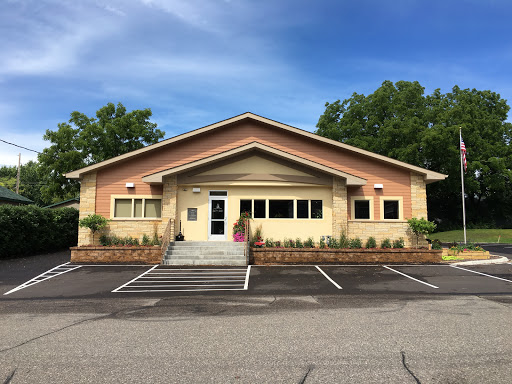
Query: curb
(500, 260)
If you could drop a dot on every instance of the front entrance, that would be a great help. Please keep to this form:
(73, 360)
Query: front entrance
(217, 215)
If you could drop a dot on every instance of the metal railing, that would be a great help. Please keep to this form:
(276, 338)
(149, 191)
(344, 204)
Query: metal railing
(168, 236)
(247, 235)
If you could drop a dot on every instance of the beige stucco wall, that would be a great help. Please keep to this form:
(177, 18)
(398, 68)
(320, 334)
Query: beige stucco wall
(278, 229)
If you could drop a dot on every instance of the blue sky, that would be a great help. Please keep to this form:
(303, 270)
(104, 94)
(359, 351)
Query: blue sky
(196, 62)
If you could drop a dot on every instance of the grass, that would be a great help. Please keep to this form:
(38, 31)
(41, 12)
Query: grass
(475, 236)
(450, 258)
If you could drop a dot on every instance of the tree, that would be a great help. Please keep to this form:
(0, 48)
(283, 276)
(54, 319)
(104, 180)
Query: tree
(94, 222)
(399, 121)
(84, 141)
(421, 227)
(30, 181)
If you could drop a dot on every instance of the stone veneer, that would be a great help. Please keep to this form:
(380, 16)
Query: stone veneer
(87, 206)
(418, 196)
(261, 256)
(139, 255)
(381, 230)
(339, 207)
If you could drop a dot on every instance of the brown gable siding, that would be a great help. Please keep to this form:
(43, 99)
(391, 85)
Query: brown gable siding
(112, 180)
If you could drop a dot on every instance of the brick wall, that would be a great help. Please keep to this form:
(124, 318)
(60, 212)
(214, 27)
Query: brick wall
(138, 255)
(260, 256)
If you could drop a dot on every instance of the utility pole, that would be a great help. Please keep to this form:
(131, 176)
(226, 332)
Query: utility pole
(18, 176)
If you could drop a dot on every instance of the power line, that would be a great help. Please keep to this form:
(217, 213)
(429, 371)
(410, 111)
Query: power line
(19, 146)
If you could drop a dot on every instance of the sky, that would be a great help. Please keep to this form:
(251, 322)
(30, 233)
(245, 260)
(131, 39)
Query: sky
(197, 62)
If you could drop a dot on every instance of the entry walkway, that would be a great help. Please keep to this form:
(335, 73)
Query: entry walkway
(165, 279)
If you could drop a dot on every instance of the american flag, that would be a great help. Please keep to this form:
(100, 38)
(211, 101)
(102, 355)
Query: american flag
(463, 153)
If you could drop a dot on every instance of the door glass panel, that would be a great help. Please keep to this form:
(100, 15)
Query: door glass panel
(218, 209)
(217, 227)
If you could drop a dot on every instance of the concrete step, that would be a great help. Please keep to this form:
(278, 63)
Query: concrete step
(206, 244)
(204, 262)
(205, 257)
(204, 251)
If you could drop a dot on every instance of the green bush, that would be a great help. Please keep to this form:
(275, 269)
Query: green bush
(333, 243)
(355, 243)
(298, 243)
(371, 243)
(322, 243)
(436, 244)
(309, 243)
(344, 241)
(269, 243)
(400, 243)
(288, 243)
(386, 243)
(146, 240)
(29, 230)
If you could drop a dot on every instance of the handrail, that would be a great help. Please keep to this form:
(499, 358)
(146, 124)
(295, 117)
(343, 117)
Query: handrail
(167, 236)
(247, 234)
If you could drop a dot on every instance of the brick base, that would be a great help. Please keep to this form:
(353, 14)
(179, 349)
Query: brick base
(261, 256)
(133, 255)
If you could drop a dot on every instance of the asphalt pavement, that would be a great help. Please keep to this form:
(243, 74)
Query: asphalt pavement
(339, 324)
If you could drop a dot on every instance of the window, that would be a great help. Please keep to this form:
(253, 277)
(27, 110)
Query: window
(138, 207)
(302, 209)
(246, 206)
(316, 209)
(260, 209)
(391, 208)
(280, 209)
(361, 208)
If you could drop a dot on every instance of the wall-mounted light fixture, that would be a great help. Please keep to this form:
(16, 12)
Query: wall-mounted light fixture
(130, 185)
(196, 190)
(378, 186)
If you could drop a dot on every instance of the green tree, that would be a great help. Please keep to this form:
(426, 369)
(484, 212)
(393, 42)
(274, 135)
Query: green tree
(421, 227)
(84, 141)
(399, 121)
(30, 181)
(94, 222)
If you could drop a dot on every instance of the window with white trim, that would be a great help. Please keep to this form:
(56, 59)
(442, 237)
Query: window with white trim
(137, 207)
(391, 208)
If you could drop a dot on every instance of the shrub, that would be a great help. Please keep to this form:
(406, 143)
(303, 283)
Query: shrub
(386, 243)
(298, 243)
(156, 240)
(269, 243)
(278, 244)
(333, 243)
(421, 226)
(355, 243)
(309, 243)
(322, 242)
(371, 243)
(29, 230)
(288, 243)
(94, 222)
(146, 240)
(344, 241)
(436, 244)
(400, 243)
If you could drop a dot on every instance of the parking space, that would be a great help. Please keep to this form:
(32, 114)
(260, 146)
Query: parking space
(66, 281)
(168, 279)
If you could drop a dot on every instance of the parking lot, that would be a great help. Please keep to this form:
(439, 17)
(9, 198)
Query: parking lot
(72, 280)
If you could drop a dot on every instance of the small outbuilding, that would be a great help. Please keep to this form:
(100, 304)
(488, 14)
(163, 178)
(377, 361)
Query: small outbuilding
(12, 198)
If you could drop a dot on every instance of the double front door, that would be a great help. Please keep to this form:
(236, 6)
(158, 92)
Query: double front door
(217, 215)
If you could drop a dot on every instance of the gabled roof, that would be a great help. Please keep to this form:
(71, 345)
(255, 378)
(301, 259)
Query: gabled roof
(77, 199)
(430, 176)
(254, 146)
(8, 195)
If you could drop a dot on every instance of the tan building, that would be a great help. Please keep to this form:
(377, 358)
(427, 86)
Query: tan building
(295, 184)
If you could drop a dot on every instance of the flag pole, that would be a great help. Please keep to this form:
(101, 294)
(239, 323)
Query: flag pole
(462, 184)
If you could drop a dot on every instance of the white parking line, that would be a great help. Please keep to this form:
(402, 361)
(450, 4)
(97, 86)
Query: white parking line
(179, 279)
(56, 271)
(483, 274)
(124, 285)
(410, 277)
(328, 278)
